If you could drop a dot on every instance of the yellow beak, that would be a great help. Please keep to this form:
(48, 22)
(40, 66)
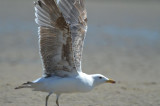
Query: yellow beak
(110, 81)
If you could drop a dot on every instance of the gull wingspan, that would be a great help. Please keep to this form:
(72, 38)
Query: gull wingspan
(60, 37)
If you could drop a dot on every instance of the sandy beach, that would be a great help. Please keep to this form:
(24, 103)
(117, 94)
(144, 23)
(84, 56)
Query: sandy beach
(123, 43)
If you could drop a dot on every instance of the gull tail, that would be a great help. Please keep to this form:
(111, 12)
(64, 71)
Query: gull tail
(25, 85)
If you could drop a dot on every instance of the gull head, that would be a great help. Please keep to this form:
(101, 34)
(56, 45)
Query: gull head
(100, 79)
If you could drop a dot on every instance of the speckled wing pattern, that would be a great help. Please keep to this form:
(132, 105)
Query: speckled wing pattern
(75, 14)
(60, 37)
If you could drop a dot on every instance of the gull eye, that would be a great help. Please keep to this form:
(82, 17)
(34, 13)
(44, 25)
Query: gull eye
(100, 77)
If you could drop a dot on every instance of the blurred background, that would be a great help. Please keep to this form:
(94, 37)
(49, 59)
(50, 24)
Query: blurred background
(122, 42)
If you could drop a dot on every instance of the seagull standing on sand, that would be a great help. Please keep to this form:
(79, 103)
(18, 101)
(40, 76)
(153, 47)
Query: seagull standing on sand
(62, 30)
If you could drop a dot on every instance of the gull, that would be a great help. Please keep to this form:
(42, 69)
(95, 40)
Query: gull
(62, 29)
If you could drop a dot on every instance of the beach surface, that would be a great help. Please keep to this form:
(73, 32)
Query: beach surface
(122, 43)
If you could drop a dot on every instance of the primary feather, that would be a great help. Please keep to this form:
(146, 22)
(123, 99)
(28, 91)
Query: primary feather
(62, 29)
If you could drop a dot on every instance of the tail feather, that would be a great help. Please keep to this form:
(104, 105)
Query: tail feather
(25, 85)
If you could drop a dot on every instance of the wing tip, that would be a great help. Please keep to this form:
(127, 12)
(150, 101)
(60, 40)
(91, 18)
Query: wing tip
(38, 2)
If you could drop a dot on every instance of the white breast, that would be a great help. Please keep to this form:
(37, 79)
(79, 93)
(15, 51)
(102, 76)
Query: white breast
(80, 83)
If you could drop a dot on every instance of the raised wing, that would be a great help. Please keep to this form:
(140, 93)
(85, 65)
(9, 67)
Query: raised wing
(62, 29)
(55, 40)
(75, 14)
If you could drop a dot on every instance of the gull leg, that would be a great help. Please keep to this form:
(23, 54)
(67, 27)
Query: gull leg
(57, 97)
(47, 98)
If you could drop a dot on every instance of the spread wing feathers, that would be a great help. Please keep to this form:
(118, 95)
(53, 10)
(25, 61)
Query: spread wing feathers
(62, 29)
(75, 14)
(55, 40)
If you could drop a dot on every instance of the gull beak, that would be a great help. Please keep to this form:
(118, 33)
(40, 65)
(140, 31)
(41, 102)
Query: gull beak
(110, 81)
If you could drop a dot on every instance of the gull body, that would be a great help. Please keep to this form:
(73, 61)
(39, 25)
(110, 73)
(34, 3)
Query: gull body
(78, 83)
(62, 30)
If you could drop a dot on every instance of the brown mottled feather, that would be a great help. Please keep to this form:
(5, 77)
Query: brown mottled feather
(75, 14)
(61, 38)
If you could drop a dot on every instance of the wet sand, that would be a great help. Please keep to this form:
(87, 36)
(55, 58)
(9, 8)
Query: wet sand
(123, 43)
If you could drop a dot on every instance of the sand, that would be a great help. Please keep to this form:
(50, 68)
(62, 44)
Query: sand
(123, 43)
